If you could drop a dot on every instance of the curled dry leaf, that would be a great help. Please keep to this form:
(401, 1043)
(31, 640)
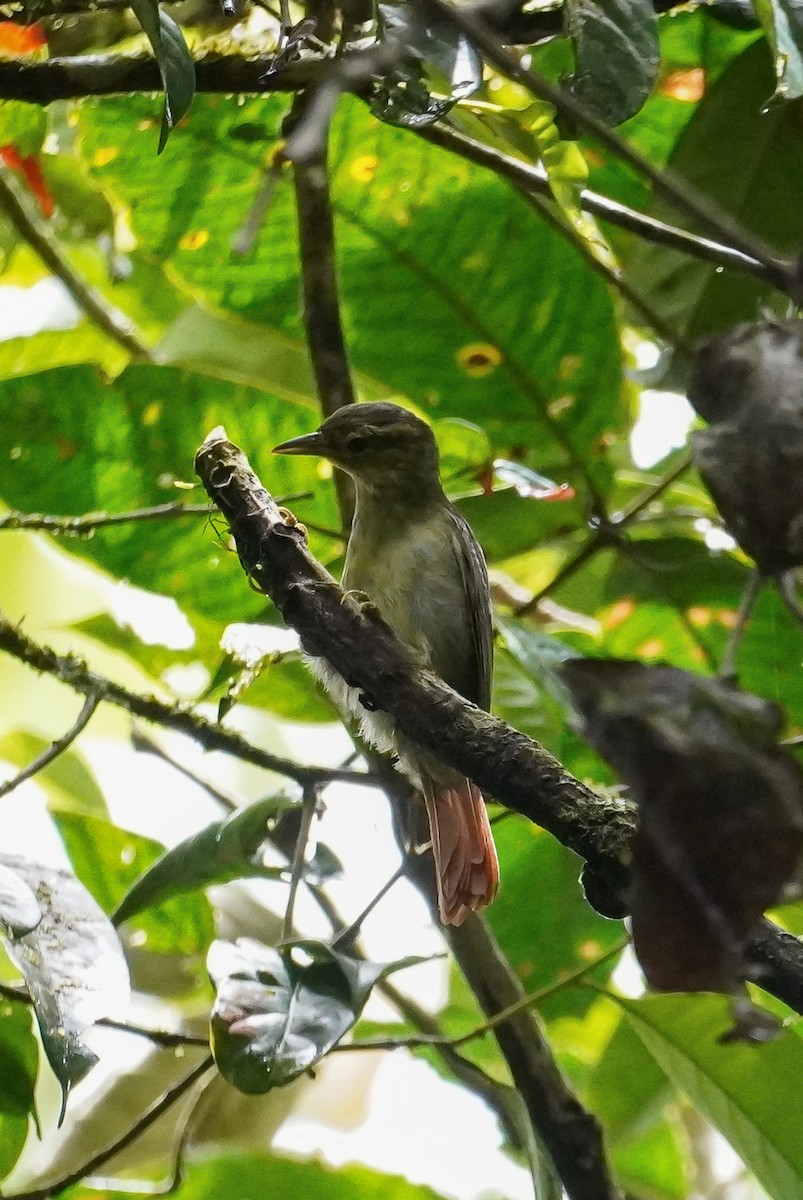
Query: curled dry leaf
(720, 816)
(748, 384)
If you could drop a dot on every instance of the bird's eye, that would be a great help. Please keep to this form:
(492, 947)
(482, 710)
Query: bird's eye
(356, 444)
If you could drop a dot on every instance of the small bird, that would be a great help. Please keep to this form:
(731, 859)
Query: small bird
(420, 565)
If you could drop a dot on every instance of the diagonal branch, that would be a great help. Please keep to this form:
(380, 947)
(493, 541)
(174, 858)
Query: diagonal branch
(470, 19)
(503, 762)
(55, 748)
(75, 674)
(533, 179)
(108, 319)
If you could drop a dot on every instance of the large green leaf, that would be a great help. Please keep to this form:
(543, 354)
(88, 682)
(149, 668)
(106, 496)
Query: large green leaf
(235, 1177)
(224, 850)
(742, 156)
(67, 780)
(278, 1012)
(540, 878)
(627, 1089)
(109, 860)
(748, 1091)
(498, 304)
(73, 967)
(88, 446)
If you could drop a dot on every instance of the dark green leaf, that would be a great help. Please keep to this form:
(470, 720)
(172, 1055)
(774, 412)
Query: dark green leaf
(73, 967)
(225, 850)
(742, 156)
(278, 1012)
(19, 1060)
(176, 65)
(616, 52)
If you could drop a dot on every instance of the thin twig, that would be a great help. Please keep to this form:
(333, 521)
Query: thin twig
(652, 493)
(788, 593)
(108, 319)
(75, 674)
(160, 1037)
(143, 1123)
(143, 743)
(471, 21)
(308, 805)
(347, 936)
(534, 179)
(321, 297)
(727, 667)
(89, 522)
(526, 1002)
(56, 748)
(606, 534)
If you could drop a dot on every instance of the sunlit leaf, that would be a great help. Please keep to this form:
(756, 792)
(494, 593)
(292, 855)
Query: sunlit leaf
(225, 850)
(748, 1092)
(109, 860)
(73, 967)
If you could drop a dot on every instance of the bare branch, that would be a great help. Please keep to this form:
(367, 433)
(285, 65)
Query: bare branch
(56, 748)
(470, 19)
(321, 298)
(75, 674)
(119, 74)
(89, 522)
(160, 1037)
(309, 804)
(108, 319)
(533, 179)
(148, 1118)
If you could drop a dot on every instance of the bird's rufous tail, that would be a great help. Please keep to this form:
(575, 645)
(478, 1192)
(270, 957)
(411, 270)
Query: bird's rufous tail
(466, 866)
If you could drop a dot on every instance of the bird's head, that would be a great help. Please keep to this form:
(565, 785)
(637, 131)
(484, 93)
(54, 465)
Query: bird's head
(383, 446)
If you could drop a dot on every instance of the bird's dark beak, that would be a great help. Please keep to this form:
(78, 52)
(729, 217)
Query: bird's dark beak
(308, 443)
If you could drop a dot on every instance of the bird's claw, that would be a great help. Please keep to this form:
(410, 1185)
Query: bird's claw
(364, 602)
(292, 521)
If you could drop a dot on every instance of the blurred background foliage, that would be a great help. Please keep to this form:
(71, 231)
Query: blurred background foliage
(461, 301)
